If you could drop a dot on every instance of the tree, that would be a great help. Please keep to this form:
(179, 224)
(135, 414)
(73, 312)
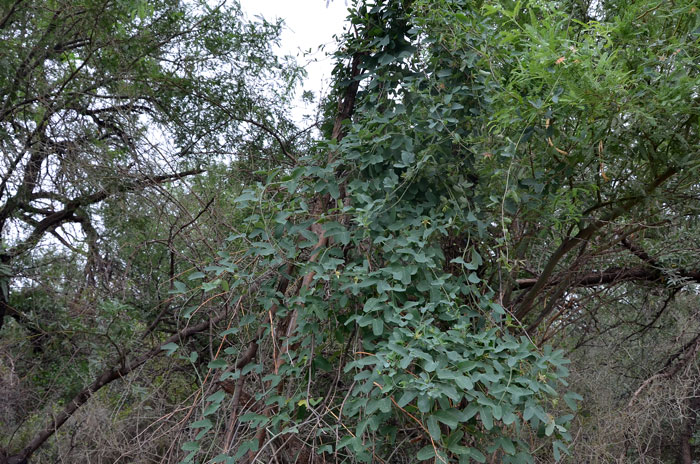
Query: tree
(387, 342)
(496, 186)
(105, 103)
(102, 98)
(489, 173)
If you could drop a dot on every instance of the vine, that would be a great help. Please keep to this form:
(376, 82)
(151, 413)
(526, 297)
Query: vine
(375, 332)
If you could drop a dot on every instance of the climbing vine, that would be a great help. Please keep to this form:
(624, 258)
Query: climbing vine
(373, 330)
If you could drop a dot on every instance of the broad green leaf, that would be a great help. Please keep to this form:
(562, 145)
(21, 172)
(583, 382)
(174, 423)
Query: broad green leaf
(217, 364)
(190, 446)
(170, 348)
(425, 453)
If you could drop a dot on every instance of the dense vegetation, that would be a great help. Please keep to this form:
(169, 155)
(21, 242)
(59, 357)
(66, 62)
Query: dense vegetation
(483, 248)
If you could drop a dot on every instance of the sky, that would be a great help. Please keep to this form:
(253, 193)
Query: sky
(308, 25)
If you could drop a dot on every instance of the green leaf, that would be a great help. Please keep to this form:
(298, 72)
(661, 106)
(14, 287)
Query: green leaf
(245, 447)
(274, 379)
(179, 288)
(557, 447)
(247, 319)
(530, 410)
(407, 397)
(282, 216)
(377, 326)
(433, 427)
(211, 409)
(217, 397)
(425, 453)
(333, 189)
(469, 412)
(497, 411)
(190, 446)
(486, 417)
(322, 363)
(506, 444)
(477, 455)
(217, 364)
(509, 417)
(571, 398)
(206, 423)
(223, 458)
(382, 404)
(253, 417)
(425, 403)
(549, 429)
(449, 417)
(170, 348)
(209, 286)
(386, 59)
(464, 383)
(246, 197)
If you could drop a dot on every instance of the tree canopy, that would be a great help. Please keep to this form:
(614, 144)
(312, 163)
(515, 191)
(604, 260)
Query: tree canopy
(483, 250)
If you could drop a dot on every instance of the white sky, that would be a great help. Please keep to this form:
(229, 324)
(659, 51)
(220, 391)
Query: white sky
(309, 25)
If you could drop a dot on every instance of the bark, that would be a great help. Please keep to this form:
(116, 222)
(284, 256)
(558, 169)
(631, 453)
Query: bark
(346, 107)
(686, 450)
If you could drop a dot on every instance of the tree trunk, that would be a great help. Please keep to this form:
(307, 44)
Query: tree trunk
(686, 450)
(5, 275)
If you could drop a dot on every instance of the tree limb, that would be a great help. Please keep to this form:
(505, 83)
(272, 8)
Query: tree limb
(51, 221)
(102, 380)
(582, 236)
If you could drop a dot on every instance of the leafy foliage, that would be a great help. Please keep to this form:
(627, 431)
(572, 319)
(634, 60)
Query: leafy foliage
(431, 348)
(498, 187)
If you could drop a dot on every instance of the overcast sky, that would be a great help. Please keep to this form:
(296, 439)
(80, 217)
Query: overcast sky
(309, 24)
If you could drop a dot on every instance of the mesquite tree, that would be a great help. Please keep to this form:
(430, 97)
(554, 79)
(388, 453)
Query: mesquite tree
(101, 98)
(110, 113)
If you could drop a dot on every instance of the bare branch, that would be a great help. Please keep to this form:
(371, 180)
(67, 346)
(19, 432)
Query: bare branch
(104, 379)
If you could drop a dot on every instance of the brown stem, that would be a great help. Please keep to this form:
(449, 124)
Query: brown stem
(686, 454)
(346, 107)
(231, 427)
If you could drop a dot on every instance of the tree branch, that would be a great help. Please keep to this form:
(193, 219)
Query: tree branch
(9, 14)
(102, 380)
(55, 219)
(582, 236)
